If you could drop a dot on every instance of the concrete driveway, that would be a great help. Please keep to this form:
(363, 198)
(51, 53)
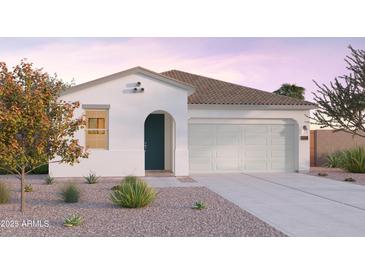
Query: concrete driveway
(296, 204)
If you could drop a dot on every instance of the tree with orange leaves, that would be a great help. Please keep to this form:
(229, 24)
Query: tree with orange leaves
(36, 127)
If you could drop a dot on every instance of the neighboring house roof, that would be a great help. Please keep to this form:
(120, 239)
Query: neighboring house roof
(212, 91)
(141, 70)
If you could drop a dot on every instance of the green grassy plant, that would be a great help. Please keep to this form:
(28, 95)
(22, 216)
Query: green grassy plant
(133, 193)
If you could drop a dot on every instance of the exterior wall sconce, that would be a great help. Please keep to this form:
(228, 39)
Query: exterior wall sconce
(305, 130)
(304, 134)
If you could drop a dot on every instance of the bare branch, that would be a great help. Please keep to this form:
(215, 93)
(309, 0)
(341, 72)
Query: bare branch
(341, 104)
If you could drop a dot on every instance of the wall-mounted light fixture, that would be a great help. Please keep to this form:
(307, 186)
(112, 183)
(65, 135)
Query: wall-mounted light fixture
(304, 130)
(304, 134)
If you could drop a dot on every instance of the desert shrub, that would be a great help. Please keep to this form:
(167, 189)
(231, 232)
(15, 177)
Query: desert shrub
(199, 205)
(130, 179)
(4, 194)
(73, 220)
(28, 188)
(70, 193)
(91, 178)
(335, 160)
(49, 180)
(354, 160)
(133, 193)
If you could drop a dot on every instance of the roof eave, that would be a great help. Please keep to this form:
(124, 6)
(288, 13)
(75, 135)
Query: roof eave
(189, 88)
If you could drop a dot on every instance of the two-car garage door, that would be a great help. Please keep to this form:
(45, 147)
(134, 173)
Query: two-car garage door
(241, 147)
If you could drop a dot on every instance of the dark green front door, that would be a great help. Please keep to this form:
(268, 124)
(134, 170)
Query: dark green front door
(154, 142)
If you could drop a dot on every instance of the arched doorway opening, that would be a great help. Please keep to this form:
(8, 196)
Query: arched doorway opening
(159, 142)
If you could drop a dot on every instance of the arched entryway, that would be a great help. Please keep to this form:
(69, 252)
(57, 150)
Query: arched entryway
(159, 142)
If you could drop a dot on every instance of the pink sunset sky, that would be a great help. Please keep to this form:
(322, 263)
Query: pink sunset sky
(263, 63)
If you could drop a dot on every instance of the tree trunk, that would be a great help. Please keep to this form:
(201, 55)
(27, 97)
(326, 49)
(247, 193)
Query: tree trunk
(22, 185)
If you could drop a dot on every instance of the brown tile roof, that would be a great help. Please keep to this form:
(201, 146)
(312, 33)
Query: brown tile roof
(212, 91)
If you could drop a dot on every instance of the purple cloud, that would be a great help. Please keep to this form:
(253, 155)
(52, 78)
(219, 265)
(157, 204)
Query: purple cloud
(263, 63)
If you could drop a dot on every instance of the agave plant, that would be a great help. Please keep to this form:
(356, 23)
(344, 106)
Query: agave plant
(199, 205)
(335, 160)
(91, 178)
(28, 188)
(354, 160)
(49, 180)
(133, 193)
(73, 220)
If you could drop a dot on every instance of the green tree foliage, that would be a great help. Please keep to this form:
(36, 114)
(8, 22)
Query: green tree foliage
(341, 104)
(36, 127)
(291, 90)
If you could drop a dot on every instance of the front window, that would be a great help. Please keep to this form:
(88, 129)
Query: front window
(96, 126)
(97, 129)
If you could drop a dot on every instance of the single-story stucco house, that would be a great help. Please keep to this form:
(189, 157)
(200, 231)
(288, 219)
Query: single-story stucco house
(175, 121)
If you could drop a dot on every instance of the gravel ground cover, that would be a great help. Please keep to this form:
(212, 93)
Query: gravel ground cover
(169, 215)
(338, 174)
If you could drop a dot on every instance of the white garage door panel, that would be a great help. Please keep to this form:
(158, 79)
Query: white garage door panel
(255, 151)
(228, 139)
(258, 139)
(201, 165)
(218, 147)
(201, 152)
(227, 158)
(227, 165)
(279, 165)
(254, 129)
(202, 135)
(281, 153)
(255, 164)
(228, 135)
(227, 152)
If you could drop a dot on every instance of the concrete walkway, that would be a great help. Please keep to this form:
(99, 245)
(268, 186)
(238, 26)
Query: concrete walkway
(169, 182)
(296, 204)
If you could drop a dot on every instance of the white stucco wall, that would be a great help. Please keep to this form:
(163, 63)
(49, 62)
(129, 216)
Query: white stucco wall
(263, 114)
(127, 115)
